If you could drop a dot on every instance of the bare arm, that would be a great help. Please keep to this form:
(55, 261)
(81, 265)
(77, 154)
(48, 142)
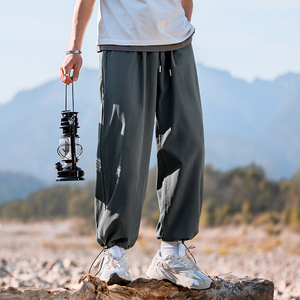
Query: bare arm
(188, 8)
(81, 17)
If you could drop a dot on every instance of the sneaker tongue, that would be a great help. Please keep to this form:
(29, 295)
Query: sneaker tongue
(115, 251)
(181, 250)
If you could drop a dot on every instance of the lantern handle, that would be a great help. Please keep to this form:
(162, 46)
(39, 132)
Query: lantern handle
(66, 96)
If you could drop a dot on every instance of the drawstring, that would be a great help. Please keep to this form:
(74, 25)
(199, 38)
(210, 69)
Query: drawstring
(159, 62)
(189, 252)
(94, 262)
(159, 70)
(105, 257)
(160, 65)
(191, 257)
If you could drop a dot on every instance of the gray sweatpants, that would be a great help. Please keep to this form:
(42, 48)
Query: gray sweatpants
(138, 90)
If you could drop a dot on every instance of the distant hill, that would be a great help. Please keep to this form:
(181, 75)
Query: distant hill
(18, 186)
(244, 123)
(240, 195)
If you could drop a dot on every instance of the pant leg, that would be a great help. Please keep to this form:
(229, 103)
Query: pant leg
(180, 147)
(128, 99)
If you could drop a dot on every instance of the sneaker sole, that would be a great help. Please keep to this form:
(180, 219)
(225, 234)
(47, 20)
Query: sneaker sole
(175, 280)
(116, 279)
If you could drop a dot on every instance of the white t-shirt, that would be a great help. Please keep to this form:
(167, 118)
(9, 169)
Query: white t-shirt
(142, 23)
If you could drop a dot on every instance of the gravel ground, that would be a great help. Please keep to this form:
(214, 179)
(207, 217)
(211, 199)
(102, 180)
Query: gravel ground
(53, 254)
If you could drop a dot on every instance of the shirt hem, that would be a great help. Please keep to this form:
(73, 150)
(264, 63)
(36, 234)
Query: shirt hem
(146, 48)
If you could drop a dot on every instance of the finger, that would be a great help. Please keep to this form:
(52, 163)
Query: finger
(63, 76)
(77, 67)
(68, 79)
(75, 73)
(66, 76)
(61, 73)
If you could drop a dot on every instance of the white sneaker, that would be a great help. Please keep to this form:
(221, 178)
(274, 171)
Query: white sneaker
(179, 270)
(113, 270)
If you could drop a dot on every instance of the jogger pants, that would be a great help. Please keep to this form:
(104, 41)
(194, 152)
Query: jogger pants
(139, 90)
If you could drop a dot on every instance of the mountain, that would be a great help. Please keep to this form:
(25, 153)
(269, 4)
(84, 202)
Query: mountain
(15, 185)
(244, 122)
(251, 122)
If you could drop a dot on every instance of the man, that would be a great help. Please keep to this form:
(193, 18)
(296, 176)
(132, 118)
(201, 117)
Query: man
(147, 77)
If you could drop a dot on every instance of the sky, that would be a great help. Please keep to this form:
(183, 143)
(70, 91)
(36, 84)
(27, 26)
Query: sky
(250, 39)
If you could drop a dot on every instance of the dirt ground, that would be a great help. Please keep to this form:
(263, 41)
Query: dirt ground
(54, 254)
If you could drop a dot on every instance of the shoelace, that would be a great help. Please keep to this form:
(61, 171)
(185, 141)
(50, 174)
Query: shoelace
(186, 261)
(110, 262)
(191, 257)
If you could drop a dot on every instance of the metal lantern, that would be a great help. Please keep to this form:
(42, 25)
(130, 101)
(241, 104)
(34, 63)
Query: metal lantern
(69, 148)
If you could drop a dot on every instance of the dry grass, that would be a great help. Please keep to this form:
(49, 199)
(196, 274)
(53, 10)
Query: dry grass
(83, 227)
(144, 245)
(50, 245)
(24, 232)
(63, 235)
(64, 245)
(93, 244)
(267, 244)
(223, 250)
(246, 239)
(208, 249)
(294, 249)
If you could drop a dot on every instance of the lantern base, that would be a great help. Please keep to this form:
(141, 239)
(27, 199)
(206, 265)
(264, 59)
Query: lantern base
(68, 174)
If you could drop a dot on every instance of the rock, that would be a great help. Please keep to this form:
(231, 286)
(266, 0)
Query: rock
(67, 262)
(4, 273)
(58, 267)
(3, 262)
(92, 288)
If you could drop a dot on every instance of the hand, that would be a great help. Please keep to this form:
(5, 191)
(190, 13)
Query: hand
(71, 62)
